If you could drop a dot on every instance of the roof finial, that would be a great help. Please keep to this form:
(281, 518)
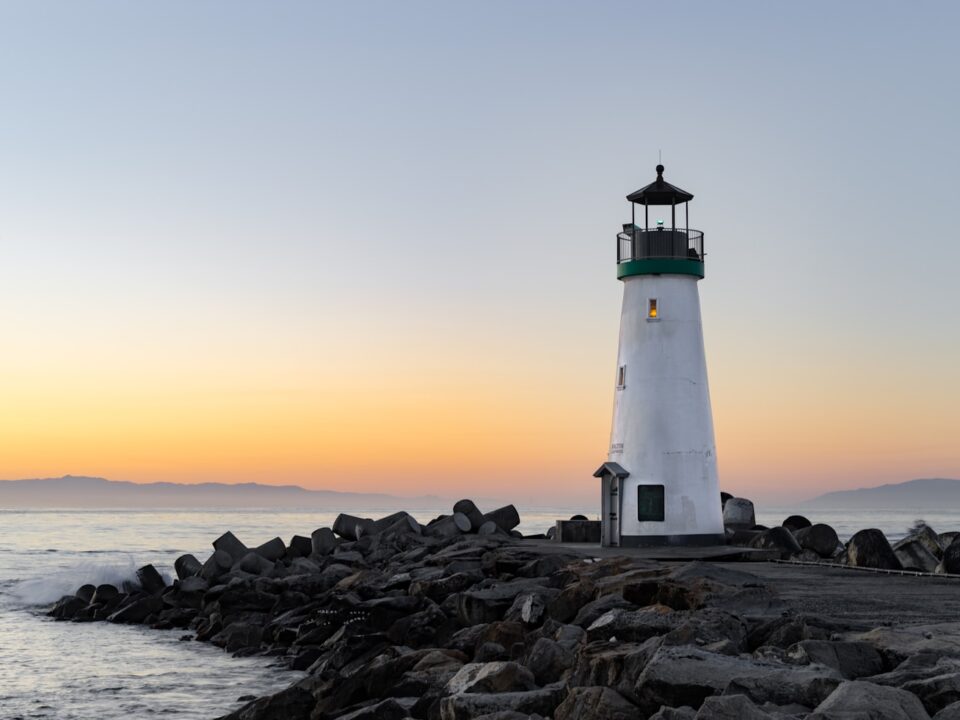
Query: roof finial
(660, 173)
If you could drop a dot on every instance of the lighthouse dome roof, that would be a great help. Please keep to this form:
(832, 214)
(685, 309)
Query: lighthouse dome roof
(660, 192)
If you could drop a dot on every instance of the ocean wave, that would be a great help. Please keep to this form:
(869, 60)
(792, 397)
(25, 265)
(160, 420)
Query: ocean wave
(50, 588)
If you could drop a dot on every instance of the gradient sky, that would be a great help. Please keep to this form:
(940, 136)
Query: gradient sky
(370, 246)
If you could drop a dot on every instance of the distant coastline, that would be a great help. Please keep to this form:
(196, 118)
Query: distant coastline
(919, 494)
(80, 492)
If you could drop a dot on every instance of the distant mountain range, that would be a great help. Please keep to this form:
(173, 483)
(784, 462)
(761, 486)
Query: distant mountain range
(928, 493)
(71, 491)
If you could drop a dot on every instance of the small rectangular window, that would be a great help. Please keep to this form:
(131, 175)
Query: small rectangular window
(622, 376)
(652, 308)
(650, 503)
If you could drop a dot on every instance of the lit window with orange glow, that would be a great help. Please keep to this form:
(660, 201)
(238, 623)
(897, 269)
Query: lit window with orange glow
(652, 309)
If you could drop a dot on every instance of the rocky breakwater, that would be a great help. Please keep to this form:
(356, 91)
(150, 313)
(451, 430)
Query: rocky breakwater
(461, 619)
(797, 538)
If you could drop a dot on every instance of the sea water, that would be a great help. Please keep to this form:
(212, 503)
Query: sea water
(78, 671)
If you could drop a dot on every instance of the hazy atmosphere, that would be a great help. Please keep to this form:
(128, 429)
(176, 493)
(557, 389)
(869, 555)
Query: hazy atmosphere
(370, 247)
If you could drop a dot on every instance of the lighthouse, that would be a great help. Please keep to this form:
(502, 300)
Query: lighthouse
(659, 485)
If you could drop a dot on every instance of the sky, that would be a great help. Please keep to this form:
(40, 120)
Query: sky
(370, 246)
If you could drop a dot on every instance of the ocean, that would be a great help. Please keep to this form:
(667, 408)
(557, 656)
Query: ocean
(78, 671)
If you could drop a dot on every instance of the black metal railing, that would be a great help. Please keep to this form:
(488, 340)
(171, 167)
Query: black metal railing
(635, 243)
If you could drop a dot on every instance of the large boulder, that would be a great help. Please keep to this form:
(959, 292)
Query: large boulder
(491, 677)
(150, 580)
(271, 550)
(300, 547)
(229, 543)
(548, 660)
(950, 564)
(929, 537)
(187, 566)
(138, 610)
(469, 508)
(869, 548)
(778, 539)
(216, 565)
(820, 538)
(595, 702)
(858, 700)
(294, 703)
(914, 554)
(796, 522)
(506, 518)
(730, 707)
(851, 659)
(346, 526)
(323, 541)
(449, 526)
(468, 706)
(738, 513)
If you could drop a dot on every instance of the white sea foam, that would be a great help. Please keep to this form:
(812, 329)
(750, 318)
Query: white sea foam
(53, 586)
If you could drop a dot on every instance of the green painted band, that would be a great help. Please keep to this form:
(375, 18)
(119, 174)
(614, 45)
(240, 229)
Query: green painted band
(660, 266)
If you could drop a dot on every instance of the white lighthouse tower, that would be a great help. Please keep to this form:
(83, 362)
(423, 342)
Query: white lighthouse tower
(659, 485)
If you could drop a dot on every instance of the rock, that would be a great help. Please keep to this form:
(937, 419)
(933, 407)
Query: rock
(449, 526)
(490, 652)
(104, 594)
(85, 592)
(489, 527)
(467, 706)
(950, 712)
(487, 605)
(187, 566)
(668, 713)
(138, 610)
(730, 707)
(216, 565)
(858, 700)
(851, 659)
(913, 554)
(928, 536)
(779, 539)
(389, 709)
(584, 703)
(471, 511)
(738, 513)
(937, 692)
(255, 564)
(150, 580)
(294, 703)
(724, 496)
(687, 675)
(820, 538)
(796, 522)
(869, 548)
(272, 550)
(323, 541)
(506, 518)
(67, 606)
(950, 564)
(229, 544)
(567, 604)
(299, 547)
(548, 660)
(776, 684)
(900, 643)
(346, 525)
(493, 677)
(589, 613)
(946, 538)
(238, 636)
(631, 625)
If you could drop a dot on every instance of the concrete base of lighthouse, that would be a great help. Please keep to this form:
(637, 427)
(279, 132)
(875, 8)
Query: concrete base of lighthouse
(660, 486)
